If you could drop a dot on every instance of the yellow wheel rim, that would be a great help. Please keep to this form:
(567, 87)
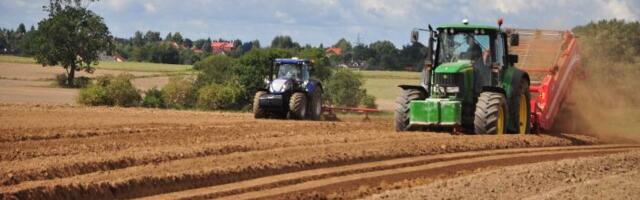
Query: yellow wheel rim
(522, 115)
(500, 125)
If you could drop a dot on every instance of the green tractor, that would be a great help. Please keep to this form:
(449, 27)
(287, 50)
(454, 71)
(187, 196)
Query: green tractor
(469, 83)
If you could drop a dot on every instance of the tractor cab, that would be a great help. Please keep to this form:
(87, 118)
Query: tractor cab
(291, 74)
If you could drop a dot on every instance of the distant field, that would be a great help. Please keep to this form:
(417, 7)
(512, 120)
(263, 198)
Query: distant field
(123, 66)
(384, 85)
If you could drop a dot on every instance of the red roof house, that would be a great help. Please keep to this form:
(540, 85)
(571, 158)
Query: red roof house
(221, 47)
(335, 51)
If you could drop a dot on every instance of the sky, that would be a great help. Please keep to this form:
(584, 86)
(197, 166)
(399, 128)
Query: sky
(324, 21)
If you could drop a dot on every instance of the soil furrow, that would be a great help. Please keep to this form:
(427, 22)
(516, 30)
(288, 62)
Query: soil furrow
(198, 172)
(324, 173)
(352, 182)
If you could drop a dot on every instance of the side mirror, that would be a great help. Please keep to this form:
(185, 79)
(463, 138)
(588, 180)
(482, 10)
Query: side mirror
(414, 36)
(515, 39)
(511, 58)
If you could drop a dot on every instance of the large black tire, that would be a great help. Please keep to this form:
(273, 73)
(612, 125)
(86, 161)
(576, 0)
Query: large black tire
(490, 108)
(315, 105)
(523, 122)
(298, 106)
(258, 112)
(402, 108)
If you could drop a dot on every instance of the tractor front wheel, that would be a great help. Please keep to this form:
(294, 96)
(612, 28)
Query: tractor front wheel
(402, 108)
(298, 106)
(258, 112)
(491, 113)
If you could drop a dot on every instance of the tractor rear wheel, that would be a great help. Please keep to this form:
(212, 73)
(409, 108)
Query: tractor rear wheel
(402, 108)
(491, 113)
(524, 110)
(315, 105)
(298, 106)
(258, 112)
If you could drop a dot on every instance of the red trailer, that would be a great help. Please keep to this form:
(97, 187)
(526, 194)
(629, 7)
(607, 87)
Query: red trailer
(551, 58)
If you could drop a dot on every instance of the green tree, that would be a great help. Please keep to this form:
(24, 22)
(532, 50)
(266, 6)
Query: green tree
(344, 88)
(216, 69)
(284, 42)
(72, 37)
(177, 37)
(137, 39)
(151, 37)
(321, 63)
(343, 44)
(386, 55)
(21, 30)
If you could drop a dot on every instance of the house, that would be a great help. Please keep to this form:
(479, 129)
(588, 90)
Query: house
(333, 51)
(222, 47)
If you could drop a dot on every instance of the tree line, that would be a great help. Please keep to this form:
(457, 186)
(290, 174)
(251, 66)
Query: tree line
(174, 48)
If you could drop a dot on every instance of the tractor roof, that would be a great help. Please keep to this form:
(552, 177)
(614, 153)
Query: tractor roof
(292, 61)
(469, 26)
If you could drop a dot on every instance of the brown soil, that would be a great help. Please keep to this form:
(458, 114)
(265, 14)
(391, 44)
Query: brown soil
(605, 177)
(93, 153)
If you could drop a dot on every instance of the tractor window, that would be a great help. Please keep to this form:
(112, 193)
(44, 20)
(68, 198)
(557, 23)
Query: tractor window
(290, 71)
(463, 46)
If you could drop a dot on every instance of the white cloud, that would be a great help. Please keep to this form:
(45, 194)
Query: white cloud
(621, 10)
(387, 8)
(118, 4)
(284, 17)
(150, 7)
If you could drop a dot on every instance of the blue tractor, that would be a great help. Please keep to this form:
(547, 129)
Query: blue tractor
(290, 93)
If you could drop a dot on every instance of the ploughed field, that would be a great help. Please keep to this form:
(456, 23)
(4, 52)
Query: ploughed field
(97, 152)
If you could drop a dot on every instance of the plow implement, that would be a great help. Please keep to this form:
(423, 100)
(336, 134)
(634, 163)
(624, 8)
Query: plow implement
(551, 59)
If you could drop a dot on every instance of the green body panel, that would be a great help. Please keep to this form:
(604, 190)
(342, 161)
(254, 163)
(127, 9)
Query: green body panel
(506, 81)
(453, 67)
(469, 26)
(442, 112)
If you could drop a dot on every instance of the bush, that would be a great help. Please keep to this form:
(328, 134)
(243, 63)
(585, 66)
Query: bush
(179, 92)
(216, 96)
(369, 101)
(153, 98)
(78, 82)
(111, 91)
(344, 88)
(93, 95)
(216, 69)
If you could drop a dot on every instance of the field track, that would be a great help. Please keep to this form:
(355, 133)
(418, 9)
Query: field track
(53, 152)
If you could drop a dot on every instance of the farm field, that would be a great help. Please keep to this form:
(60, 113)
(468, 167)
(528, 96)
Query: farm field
(102, 152)
(23, 81)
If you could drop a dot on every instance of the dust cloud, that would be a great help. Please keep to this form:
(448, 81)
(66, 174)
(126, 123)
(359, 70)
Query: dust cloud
(604, 100)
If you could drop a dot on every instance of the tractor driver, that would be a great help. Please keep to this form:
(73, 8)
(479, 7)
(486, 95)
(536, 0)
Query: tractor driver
(474, 51)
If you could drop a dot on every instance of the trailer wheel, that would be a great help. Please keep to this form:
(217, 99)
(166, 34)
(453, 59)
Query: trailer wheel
(315, 105)
(298, 106)
(402, 108)
(524, 109)
(258, 112)
(491, 113)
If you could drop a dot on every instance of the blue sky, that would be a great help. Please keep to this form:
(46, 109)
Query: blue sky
(324, 21)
